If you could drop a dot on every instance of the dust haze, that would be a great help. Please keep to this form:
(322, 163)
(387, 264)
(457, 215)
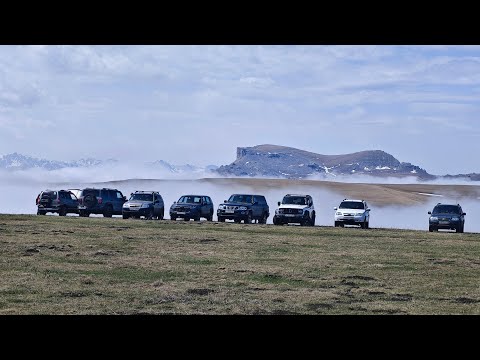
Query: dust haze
(391, 207)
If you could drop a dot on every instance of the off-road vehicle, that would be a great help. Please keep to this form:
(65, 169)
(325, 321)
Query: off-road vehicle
(100, 201)
(295, 209)
(246, 207)
(62, 202)
(192, 207)
(144, 203)
(352, 212)
(446, 216)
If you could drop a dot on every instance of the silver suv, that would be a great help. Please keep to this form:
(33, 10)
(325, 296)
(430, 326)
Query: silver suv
(144, 203)
(352, 212)
(295, 209)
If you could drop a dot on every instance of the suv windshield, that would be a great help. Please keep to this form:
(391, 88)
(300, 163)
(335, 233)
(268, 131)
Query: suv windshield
(190, 199)
(351, 205)
(142, 197)
(446, 209)
(241, 199)
(295, 200)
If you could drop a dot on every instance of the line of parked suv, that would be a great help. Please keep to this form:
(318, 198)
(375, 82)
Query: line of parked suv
(294, 208)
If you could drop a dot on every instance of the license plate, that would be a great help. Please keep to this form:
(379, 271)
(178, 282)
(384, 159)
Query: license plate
(82, 207)
(229, 211)
(180, 213)
(290, 215)
(444, 222)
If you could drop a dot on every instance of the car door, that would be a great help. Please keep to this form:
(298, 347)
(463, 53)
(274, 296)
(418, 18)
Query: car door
(257, 207)
(72, 202)
(157, 206)
(209, 205)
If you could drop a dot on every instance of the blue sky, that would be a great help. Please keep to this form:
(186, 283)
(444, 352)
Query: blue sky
(196, 104)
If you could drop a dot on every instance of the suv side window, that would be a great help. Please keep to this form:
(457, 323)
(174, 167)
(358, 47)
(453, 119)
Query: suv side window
(119, 195)
(207, 200)
(73, 197)
(261, 200)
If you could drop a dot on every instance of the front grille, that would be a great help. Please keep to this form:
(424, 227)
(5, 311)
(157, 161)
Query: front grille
(288, 211)
(231, 208)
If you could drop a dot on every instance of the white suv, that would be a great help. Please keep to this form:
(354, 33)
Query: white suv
(295, 209)
(352, 212)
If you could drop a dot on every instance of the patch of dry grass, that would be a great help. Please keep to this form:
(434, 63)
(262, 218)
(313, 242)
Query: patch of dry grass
(72, 265)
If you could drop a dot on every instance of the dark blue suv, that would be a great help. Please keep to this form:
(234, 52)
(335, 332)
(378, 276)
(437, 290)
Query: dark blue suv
(192, 207)
(244, 207)
(445, 216)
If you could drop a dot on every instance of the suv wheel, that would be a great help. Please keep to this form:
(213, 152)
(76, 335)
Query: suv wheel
(162, 214)
(263, 220)
(459, 229)
(41, 212)
(312, 223)
(210, 217)
(221, 219)
(196, 218)
(108, 212)
(125, 216)
(367, 225)
(237, 221)
(62, 211)
(173, 218)
(150, 215)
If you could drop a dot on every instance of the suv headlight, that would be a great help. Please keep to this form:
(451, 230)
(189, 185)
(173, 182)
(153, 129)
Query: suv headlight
(299, 211)
(455, 218)
(126, 205)
(433, 218)
(338, 213)
(221, 207)
(242, 208)
(145, 205)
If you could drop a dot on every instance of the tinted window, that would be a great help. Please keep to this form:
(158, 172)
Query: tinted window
(207, 199)
(446, 209)
(119, 195)
(351, 205)
(295, 200)
(50, 194)
(142, 197)
(241, 199)
(73, 197)
(190, 199)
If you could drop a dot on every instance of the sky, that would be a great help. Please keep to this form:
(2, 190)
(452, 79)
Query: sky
(197, 104)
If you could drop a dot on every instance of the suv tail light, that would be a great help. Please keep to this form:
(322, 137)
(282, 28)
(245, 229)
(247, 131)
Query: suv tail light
(99, 200)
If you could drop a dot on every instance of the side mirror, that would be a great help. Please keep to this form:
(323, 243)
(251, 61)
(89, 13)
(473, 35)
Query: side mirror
(224, 201)
(335, 208)
(464, 213)
(131, 194)
(174, 202)
(430, 213)
(279, 203)
(367, 209)
(125, 198)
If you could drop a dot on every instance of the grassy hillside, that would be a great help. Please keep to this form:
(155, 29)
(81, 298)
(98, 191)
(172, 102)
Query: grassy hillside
(72, 265)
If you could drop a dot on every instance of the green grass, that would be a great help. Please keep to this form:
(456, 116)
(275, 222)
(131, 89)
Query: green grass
(72, 265)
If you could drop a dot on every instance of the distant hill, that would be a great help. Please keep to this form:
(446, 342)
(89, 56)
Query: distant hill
(287, 162)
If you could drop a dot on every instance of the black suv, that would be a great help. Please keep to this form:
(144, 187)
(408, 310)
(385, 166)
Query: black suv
(100, 201)
(144, 203)
(192, 207)
(445, 216)
(244, 207)
(61, 202)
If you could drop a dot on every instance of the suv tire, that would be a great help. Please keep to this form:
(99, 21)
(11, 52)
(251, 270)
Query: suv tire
(162, 214)
(41, 212)
(460, 228)
(210, 217)
(312, 222)
(125, 216)
(221, 219)
(62, 211)
(263, 220)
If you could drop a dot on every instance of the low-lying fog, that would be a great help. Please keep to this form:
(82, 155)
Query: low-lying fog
(19, 190)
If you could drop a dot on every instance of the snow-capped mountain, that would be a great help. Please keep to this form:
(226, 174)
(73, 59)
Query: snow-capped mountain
(17, 161)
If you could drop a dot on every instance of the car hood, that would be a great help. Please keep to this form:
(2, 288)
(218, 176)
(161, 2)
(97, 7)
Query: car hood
(185, 205)
(137, 202)
(236, 204)
(292, 206)
(446, 215)
(351, 211)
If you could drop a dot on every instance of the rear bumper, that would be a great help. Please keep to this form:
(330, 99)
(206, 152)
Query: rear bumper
(49, 209)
